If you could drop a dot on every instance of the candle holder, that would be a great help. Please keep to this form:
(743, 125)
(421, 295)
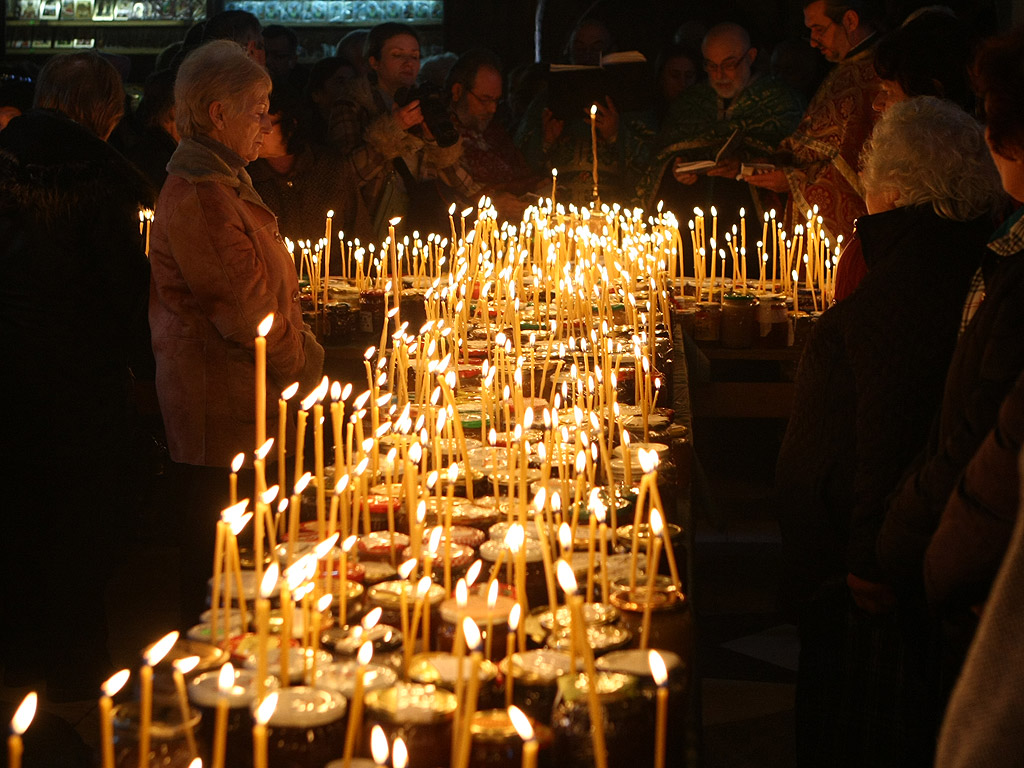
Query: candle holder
(168, 745)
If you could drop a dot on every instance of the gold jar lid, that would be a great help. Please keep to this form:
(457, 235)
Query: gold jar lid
(388, 594)
(492, 725)
(442, 669)
(636, 600)
(405, 703)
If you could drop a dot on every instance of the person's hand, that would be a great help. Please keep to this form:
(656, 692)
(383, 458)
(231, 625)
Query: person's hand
(409, 115)
(552, 127)
(773, 180)
(730, 169)
(607, 120)
(871, 596)
(509, 206)
(682, 176)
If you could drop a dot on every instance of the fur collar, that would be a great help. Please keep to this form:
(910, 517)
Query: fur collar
(201, 159)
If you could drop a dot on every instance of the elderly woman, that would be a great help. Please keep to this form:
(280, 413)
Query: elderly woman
(869, 384)
(219, 267)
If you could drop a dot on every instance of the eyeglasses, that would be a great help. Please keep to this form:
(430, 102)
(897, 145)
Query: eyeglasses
(727, 67)
(818, 30)
(487, 101)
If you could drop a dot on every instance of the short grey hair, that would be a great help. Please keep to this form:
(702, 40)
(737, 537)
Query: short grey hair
(929, 151)
(216, 71)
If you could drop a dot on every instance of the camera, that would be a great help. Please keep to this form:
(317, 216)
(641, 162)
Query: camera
(434, 109)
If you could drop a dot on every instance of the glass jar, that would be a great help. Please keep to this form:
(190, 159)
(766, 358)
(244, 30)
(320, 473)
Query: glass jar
(623, 713)
(346, 642)
(739, 320)
(495, 743)
(387, 596)
(671, 622)
(602, 638)
(442, 670)
(535, 677)
(536, 585)
(340, 676)
(421, 714)
(707, 323)
(204, 692)
(307, 728)
(773, 322)
(168, 743)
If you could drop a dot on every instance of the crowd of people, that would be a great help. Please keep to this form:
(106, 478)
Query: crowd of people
(897, 481)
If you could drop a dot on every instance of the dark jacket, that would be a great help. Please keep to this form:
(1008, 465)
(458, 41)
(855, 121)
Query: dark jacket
(989, 357)
(867, 389)
(977, 523)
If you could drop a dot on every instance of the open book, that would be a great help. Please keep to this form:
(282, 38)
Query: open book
(730, 146)
(623, 77)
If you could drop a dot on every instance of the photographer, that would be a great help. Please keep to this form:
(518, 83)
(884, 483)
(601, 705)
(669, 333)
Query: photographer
(384, 130)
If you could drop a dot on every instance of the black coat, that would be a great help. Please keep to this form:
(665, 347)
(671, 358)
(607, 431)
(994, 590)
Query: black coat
(867, 389)
(989, 357)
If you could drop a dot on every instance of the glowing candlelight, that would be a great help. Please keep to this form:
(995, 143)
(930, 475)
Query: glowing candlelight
(181, 668)
(225, 682)
(19, 724)
(472, 635)
(593, 144)
(262, 716)
(355, 718)
(152, 656)
(261, 378)
(379, 749)
(660, 675)
(236, 464)
(654, 539)
(282, 430)
(525, 730)
(399, 753)
(110, 689)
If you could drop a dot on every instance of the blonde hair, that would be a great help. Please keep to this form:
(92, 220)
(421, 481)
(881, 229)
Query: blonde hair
(216, 71)
(929, 151)
(85, 87)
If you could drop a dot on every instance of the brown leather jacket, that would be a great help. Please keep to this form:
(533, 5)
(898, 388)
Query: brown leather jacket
(219, 266)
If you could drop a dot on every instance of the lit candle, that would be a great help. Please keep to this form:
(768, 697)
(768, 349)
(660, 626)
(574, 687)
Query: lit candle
(399, 753)
(264, 712)
(236, 464)
(522, 725)
(261, 378)
(654, 539)
(110, 690)
(267, 587)
(660, 675)
(554, 184)
(379, 749)
(355, 717)
(225, 682)
(151, 657)
(181, 668)
(593, 144)
(19, 724)
(472, 635)
(513, 625)
(282, 431)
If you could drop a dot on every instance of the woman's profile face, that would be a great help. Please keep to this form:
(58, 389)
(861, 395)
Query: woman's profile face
(399, 63)
(245, 130)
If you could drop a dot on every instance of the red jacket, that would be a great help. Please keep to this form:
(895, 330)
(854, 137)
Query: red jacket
(219, 266)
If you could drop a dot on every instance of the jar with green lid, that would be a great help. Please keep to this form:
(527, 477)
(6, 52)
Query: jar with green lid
(739, 320)
(622, 711)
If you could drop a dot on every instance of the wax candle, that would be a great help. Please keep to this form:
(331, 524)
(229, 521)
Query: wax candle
(525, 730)
(593, 144)
(225, 682)
(110, 689)
(181, 668)
(399, 753)
(151, 657)
(660, 675)
(19, 724)
(262, 716)
(267, 587)
(465, 736)
(282, 431)
(261, 378)
(355, 717)
(654, 539)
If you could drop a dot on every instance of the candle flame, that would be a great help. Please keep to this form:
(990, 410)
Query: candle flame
(326, 546)
(266, 708)
(365, 653)
(520, 722)
(471, 632)
(323, 603)
(156, 652)
(422, 587)
(346, 546)
(236, 463)
(658, 670)
(648, 460)
(513, 617)
(269, 582)
(268, 496)
(399, 752)
(473, 573)
(184, 666)
(289, 392)
(435, 540)
(566, 578)
(238, 525)
(379, 745)
(303, 482)
(542, 495)
(264, 327)
(492, 595)
(657, 524)
(234, 512)
(593, 110)
(453, 473)
(310, 400)
(461, 593)
(115, 683)
(299, 571)
(226, 678)
(565, 536)
(515, 537)
(394, 222)
(371, 619)
(23, 716)
(264, 449)
(405, 569)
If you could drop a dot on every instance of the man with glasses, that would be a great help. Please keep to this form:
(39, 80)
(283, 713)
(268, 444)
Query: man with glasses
(489, 155)
(818, 164)
(734, 99)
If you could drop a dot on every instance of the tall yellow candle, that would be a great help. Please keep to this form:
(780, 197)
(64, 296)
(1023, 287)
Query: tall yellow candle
(110, 689)
(525, 730)
(19, 724)
(264, 712)
(261, 378)
(655, 539)
(225, 682)
(282, 432)
(152, 656)
(181, 668)
(355, 718)
(660, 675)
